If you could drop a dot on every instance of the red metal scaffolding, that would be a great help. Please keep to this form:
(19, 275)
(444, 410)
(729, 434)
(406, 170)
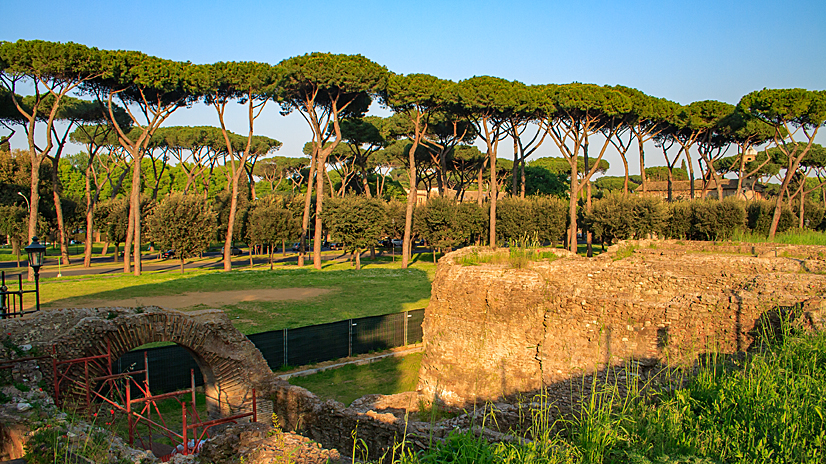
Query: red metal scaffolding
(116, 391)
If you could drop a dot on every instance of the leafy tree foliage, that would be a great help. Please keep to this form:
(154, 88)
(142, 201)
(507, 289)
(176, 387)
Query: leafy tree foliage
(789, 111)
(660, 173)
(326, 88)
(270, 224)
(184, 223)
(357, 221)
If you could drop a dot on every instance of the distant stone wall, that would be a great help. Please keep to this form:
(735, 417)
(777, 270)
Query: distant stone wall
(491, 331)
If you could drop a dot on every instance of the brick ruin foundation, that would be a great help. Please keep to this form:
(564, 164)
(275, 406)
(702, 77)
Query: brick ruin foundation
(229, 362)
(492, 331)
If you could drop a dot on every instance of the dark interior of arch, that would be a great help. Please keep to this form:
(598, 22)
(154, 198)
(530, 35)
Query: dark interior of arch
(177, 362)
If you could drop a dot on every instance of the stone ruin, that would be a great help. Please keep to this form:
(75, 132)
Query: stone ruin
(231, 365)
(494, 336)
(492, 331)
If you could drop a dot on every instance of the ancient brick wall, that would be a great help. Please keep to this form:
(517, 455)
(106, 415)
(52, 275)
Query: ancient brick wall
(492, 331)
(229, 362)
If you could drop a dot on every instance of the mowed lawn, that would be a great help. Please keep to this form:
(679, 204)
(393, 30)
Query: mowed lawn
(380, 287)
(350, 382)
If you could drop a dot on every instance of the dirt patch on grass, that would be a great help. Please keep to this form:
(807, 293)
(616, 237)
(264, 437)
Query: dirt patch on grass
(211, 299)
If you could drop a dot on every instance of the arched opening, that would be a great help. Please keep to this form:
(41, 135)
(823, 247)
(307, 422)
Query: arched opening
(173, 367)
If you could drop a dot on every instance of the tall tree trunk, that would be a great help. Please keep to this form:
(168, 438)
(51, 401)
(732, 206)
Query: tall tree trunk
(34, 202)
(233, 206)
(644, 185)
(588, 236)
(479, 183)
(690, 173)
(136, 217)
(58, 206)
(319, 199)
(515, 168)
(494, 192)
(305, 221)
(625, 165)
(90, 208)
(412, 193)
(740, 172)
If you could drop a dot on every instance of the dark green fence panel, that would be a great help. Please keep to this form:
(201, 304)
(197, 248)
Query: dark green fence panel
(317, 343)
(414, 326)
(169, 366)
(271, 346)
(377, 333)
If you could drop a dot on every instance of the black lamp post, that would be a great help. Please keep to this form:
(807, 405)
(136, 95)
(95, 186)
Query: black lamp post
(36, 252)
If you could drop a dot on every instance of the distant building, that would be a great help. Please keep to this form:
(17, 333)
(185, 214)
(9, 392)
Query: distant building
(681, 189)
(469, 195)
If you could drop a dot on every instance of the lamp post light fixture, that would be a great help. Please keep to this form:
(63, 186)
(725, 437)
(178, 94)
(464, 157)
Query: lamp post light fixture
(36, 252)
(28, 206)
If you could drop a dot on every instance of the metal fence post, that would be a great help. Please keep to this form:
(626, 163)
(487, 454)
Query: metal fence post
(350, 338)
(406, 316)
(285, 346)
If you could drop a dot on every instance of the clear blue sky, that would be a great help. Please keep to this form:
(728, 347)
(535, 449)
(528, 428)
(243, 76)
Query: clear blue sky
(681, 50)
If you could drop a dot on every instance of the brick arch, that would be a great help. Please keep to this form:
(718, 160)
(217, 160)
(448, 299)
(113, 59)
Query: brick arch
(230, 363)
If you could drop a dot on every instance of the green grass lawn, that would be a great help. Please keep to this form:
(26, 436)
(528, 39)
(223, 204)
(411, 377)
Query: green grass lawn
(348, 383)
(381, 287)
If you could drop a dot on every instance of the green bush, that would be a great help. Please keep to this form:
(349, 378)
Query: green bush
(759, 215)
(550, 216)
(716, 220)
(514, 218)
(812, 213)
(679, 220)
(619, 217)
(471, 222)
(435, 220)
(651, 215)
(611, 218)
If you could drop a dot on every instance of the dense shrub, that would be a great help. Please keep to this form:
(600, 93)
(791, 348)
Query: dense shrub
(273, 223)
(184, 223)
(514, 219)
(611, 218)
(716, 220)
(618, 217)
(357, 221)
(550, 217)
(471, 222)
(435, 220)
(651, 216)
(812, 213)
(759, 215)
(679, 220)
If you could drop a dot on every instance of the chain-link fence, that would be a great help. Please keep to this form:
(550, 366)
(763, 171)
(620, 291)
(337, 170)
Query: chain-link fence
(169, 366)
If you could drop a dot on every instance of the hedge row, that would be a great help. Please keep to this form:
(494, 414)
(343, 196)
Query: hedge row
(445, 223)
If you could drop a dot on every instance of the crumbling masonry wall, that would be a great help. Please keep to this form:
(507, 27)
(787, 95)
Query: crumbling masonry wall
(492, 331)
(229, 362)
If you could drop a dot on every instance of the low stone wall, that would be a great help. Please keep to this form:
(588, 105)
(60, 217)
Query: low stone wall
(492, 331)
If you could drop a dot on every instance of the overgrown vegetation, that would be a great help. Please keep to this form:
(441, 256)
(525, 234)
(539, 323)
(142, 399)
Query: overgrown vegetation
(768, 408)
(515, 257)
